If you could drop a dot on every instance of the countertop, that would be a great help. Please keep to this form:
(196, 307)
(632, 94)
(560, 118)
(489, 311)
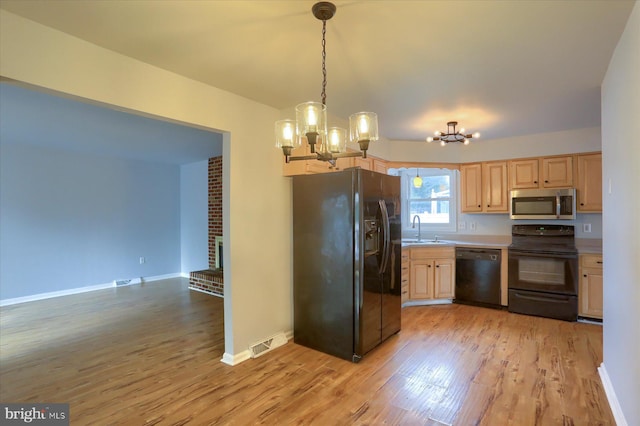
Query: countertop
(584, 245)
(490, 241)
(589, 245)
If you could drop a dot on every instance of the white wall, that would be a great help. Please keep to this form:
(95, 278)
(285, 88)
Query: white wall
(194, 220)
(555, 143)
(72, 220)
(621, 233)
(258, 300)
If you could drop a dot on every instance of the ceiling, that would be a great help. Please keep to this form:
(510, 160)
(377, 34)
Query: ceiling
(503, 68)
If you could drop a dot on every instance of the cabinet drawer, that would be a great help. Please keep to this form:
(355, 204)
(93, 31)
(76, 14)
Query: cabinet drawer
(433, 253)
(591, 261)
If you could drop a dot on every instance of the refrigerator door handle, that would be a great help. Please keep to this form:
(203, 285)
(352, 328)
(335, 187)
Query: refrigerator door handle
(386, 236)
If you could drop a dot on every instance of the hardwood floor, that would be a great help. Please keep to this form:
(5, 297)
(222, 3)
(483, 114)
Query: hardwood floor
(151, 354)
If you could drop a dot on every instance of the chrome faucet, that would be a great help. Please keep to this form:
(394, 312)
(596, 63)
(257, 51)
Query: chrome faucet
(413, 225)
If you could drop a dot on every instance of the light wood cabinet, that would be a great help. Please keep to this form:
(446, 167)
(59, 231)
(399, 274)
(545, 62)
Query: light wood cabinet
(363, 163)
(405, 274)
(484, 187)
(557, 172)
(305, 167)
(589, 187)
(524, 174)
(590, 293)
(495, 189)
(544, 172)
(432, 273)
(471, 188)
(379, 165)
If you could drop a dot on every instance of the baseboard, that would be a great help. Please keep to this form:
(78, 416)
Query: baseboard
(427, 302)
(618, 415)
(49, 295)
(232, 360)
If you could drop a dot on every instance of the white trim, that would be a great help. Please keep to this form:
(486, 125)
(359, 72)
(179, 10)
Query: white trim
(49, 295)
(618, 415)
(207, 292)
(232, 360)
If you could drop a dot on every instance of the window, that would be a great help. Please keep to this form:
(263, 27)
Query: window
(434, 202)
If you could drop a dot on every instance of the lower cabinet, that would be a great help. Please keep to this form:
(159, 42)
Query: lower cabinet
(432, 273)
(591, 290)
(406, 262)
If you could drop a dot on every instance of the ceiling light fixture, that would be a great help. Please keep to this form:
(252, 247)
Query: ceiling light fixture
(311, 119)
(452, 135)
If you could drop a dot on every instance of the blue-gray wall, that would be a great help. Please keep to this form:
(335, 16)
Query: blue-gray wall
(71, 220)
(194, 220)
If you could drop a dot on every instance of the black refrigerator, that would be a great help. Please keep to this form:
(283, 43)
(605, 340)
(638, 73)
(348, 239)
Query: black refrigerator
(346, 261)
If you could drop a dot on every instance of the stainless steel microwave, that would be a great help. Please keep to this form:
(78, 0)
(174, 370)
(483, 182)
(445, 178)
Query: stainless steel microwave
(543, 203)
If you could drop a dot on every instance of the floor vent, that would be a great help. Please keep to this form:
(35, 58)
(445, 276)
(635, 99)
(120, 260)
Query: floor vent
(132, 281)
(267, 345)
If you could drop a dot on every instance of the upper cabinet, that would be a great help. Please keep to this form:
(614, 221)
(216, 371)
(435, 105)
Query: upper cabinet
(589, 186)
(557, 172)
(305, 167)
(545, 172)
(484, 187)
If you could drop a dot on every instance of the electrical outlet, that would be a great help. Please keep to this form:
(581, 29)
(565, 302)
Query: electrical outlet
(462, 225)
(586, 227)
(472, 226)
(142, 260)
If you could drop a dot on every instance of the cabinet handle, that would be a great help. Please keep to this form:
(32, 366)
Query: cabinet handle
(429, 266)
(535, 181)
(582, 204)
(585, 275)
(488, 205)
(479, 205)
(599, 262)
(437, 266)
(546, 181)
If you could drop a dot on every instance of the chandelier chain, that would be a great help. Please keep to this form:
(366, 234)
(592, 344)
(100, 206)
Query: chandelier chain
(324, 67)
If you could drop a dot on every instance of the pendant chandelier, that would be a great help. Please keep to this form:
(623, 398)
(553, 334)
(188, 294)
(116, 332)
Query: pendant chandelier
(452, 135)
(417, 181)
(310, 124)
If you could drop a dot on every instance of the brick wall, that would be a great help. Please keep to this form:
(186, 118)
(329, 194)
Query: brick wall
(215, 206)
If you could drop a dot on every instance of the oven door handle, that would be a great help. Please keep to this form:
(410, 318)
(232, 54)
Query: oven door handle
(541, 253)
(556, 299)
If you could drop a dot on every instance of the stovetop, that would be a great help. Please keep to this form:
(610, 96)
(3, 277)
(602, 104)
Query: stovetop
(543, 238)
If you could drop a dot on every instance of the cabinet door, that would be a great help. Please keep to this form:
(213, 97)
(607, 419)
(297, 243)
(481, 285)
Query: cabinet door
(589, 190)
(523, 174)
(471, 188)
(494, 182)
(363, 163)
(590, 296)
(421, 281)
(557, 172)
(444, 279)
(379, 166)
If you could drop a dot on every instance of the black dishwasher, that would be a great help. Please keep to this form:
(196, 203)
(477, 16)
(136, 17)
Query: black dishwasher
(478, 277)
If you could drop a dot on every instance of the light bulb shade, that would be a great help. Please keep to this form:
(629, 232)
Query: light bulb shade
(337, 140)
(311, 117)
(286, 134)
(417, 182)
(363, 126)
(429, 139)
(476, 135)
